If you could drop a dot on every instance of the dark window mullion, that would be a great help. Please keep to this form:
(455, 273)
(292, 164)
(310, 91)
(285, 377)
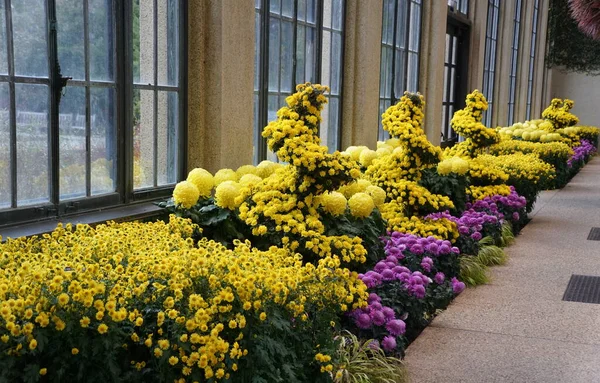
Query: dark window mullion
(407, 42)
(394, 36)
(12, 106)
(86, 50)
(155, 95)
(263, 75)
(54, 95)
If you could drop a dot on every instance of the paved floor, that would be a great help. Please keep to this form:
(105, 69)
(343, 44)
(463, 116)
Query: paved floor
(517, 328)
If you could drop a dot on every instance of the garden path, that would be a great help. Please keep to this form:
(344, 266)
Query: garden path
(518, 328)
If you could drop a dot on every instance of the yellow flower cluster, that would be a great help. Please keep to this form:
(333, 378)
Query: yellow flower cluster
(485, 172)
(467, 123)
(147, 285)
(185, 194)
(481, 192)
(404, 122)
(455, 165)
(519, 167)
(361, 205)
(548, 151)
(393, 213)
(203, 180)
(334, 203)
(558, 113)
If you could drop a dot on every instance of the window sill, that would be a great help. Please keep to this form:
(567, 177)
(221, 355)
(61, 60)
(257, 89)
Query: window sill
(122, 213)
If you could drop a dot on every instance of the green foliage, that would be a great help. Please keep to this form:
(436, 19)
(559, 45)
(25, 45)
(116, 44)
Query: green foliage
(361, 363)
(569, 48)
(490, 254)
(452, 185)
(506, 235)
(472, 272)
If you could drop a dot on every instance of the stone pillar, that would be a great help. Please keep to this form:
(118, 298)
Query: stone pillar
(431, 71)
(362, 56)
(540, 72)
(221, 83)
(478, 14)
(505, 42)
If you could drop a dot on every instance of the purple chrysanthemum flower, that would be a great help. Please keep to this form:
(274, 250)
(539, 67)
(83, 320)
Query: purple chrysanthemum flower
(389, 343)
(439, 278)
(396, 327)
(363, 320)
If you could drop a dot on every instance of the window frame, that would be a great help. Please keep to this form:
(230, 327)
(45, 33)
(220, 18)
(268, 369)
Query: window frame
(514, 61)
(489, 74)
(406, 51)
(122, 51)
(261, 93)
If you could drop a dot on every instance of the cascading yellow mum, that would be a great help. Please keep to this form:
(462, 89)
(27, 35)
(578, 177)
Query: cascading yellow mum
(185, 194)
(203, 180)
(226, 193)
(361, 205)
(334, 203)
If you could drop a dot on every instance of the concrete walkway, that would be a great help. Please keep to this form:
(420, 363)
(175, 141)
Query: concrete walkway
(517, 328)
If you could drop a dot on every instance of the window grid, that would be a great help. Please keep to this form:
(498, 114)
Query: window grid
(449, 97)
(489, 66)
(532, 51)
(461, 6)
(93, 92)
(512, 87)
(303, 25)
(400, 53)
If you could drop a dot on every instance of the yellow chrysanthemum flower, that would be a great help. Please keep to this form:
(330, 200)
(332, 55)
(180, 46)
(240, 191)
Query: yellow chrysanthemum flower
(367, 156)
(226, 193)
(377, 193)
(361, 205)
(186, 194)
(250, 179)
(245, 169)
(203, 180)
(459, 166)
(225, 175)
(334, 203)
(444, 167)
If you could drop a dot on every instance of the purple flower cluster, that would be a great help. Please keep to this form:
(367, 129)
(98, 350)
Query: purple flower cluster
(398, 242)
(581, 152)
(375, 314)
(388, 270)
(498, 205)
(457, 286)
(471, 222)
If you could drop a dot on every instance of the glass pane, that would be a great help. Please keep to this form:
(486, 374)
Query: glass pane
(324, 126)
(257, 131)
(274, 55)
(257, 51)
(399, 87)
(101, 41)
(32, 144)
(103, 140)
(444, 96)
(302, 10)
(454, 49)
(311, 11)
(287, 56)
(167, 123)
(143, 41)
(288, 8)
(143, 138)
(336, 63)
(29, 35)
(72, 143)
(384, 72)
(300, 55)
(3, 54)
(334, 124)
(273, 108)
(168, 42)
(452, 89)
(338, 14)
(401, 24)
(327, 13)
(415, 27)
(71, 54)
(5, 194)
(447, 55)
(326, 58)
(275, 6)
(413, 72)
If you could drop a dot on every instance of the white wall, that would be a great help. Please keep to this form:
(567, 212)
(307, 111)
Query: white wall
(583, 89)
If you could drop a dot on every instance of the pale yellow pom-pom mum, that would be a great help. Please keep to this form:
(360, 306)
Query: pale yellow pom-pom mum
(226, 193)
(361, 205)
(334, 203)
(460, 166)
(186, 194)
(377, 193)
(444, 167)
(203, 180)
(366, 157)
(225, 175)
(245, 169)
(250, 179)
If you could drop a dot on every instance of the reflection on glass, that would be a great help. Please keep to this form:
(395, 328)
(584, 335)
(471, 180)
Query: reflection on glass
(72, 144)
(32, 144)
(5, 193)
(287, 56)
(29, 35)
(101, 26)
(168, 42)
(69, 14)
(143, 41)
(143, 138)
(167, 122)
(103, 151)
